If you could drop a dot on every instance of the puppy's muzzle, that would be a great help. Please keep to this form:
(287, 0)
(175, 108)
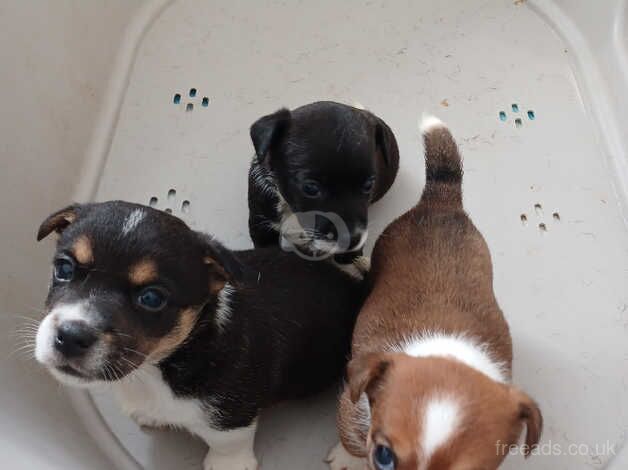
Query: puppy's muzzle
(69, 344)
(358, 238)
(73, 339)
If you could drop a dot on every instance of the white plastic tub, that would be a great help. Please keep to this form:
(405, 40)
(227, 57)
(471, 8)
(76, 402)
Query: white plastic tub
(549, 194)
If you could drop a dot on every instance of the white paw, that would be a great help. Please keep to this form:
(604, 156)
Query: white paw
(340, 459)
(146, 422)
(243, 461)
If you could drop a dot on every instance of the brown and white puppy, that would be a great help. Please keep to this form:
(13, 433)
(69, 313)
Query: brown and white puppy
(185, 332)
(429, 383)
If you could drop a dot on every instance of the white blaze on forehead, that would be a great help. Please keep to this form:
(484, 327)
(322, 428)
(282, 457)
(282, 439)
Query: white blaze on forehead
(439, 423)
(132, 221)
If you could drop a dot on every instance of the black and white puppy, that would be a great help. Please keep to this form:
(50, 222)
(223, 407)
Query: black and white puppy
(315, 173)
(186, 332)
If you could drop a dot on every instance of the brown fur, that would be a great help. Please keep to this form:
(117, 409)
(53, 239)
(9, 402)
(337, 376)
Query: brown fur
(431, 271)
(143, 272)
(163, 347)
(82, 250)
(57, 222)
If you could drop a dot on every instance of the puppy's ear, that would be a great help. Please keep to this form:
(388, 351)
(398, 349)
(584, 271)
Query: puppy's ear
(267, 131)
(528, 413)
(222, 264)
(365, 373)
(386, 143)
(58, 221)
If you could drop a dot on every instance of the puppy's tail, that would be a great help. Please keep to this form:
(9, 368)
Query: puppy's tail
(443, 166)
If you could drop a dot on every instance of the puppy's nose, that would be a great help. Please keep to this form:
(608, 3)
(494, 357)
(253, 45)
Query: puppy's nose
(74, 338)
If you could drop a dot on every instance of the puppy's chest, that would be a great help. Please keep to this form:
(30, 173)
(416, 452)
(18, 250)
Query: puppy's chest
(147, 398)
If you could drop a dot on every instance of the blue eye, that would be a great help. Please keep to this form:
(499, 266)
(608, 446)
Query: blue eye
(152, 299)
(384, 458)
(311, 189)
(367, 187)
(63, 270)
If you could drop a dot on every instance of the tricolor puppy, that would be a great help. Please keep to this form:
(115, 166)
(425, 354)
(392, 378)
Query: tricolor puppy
(316, 171)
(186, 332)
(429, 380)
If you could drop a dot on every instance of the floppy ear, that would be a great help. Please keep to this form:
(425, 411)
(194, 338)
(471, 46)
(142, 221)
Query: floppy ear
(530, 415)
(223, 266)
(365, 372)
(386, 143)
(58, 221)
(268, 130)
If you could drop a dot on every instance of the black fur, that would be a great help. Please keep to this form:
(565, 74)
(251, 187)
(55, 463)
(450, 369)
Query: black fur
(338, 146)
(290, 326)
(289, 338)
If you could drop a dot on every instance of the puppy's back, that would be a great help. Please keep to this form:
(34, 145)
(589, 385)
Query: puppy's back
(304, 313)
(431, 260)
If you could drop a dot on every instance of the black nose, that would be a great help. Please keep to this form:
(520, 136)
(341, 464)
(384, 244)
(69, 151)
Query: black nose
(74, 338)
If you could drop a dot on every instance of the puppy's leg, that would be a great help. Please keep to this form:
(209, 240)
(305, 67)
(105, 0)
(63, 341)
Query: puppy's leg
(353, 425)
(230, 450)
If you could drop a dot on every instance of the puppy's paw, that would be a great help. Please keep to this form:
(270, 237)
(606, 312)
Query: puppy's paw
(147, 423)
(242, 461)
(340, 459)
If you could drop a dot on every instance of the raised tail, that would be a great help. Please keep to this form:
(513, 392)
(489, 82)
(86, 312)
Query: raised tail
(443, 166)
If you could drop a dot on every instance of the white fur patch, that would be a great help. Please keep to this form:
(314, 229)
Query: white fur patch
(44, 341)
(223, 309)
(461, 348)
(429, 122)
(263, 179)
(47, 330)
(45, 351)
(439, 423)
(340, 459)
(132, 221)
(231, 450)
(357, 269)
(148, 399)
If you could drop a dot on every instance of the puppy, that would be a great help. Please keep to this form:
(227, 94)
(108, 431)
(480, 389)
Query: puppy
(315, 172)
(187, 333)
(429, 383)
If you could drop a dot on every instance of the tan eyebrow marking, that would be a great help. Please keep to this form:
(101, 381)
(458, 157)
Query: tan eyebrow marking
(143, 272)
(82, 250)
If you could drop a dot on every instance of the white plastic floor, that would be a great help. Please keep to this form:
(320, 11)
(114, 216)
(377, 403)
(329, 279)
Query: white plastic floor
(530, 93)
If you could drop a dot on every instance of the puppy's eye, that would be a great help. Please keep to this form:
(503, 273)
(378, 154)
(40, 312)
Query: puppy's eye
(384, 458)
(367, 186)
(311, 189)
(152, 299)
(63, 270)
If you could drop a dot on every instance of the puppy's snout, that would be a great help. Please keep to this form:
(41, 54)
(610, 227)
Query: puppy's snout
(355, 240)
(74, 338)
(358, 237)
(327, 229)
